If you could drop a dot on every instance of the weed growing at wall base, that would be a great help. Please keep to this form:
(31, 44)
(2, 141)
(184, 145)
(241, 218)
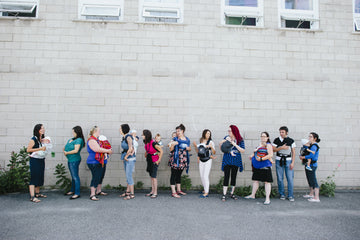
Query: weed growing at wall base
(63, 181)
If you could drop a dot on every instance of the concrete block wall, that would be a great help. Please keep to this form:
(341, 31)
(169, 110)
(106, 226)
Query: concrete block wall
(63, 72)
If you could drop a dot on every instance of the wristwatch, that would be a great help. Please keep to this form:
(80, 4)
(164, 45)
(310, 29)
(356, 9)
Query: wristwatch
(261, 159)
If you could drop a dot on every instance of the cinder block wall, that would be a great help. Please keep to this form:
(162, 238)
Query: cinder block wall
(63, 72)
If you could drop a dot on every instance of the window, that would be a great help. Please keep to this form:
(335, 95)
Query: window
(105, 10)
(242, 12)
(168, 11)
(17, 8)
(356, 15)
(299, 14)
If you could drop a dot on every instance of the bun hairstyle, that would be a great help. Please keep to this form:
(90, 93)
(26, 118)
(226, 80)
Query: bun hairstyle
(236, 132)
(181, 127)
(315, 136)
(125, 128)
(92, 130)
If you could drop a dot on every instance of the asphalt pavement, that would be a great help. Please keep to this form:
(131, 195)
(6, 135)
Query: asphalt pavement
(190, 217)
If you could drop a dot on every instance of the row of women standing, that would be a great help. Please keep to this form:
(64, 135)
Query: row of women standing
(232, 146)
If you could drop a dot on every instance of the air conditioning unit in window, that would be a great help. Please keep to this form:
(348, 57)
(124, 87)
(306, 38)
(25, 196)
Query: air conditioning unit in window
(161, 14)
(101, 12)
(18, 9)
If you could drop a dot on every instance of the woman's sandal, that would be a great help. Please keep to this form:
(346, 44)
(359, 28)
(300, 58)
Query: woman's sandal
(223, 198)
(153, 196)
(34, 199)
(175, 195)
(233, 197)
(102, 193)
(94, 198)
(39, 195)
(125, 194)
(69, 193)
(181, 193)
(148, 195)
(129, 197)
(73, 198)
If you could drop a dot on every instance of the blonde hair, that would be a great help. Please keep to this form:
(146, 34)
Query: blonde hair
(92, 130)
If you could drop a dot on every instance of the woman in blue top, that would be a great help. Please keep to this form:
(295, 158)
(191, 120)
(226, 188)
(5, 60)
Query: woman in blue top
(94, 165)
(37, 165)
(179, 160)
(232, 161)
(129, 157)
(262, 161)
(313, 196)
(72, 152)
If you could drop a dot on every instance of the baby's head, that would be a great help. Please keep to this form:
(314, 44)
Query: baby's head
(157, 138)
(173, 135)
(46, 140)
(133, 133)
(102, 138)
(304, 141)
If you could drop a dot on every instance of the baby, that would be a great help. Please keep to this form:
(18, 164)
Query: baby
(173, 135)
(158, 140)
(305, 150)
(46, 142)
(104, 143)
(232, 151)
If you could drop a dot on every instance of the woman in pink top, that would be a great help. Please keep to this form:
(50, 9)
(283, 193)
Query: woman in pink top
(153, 155)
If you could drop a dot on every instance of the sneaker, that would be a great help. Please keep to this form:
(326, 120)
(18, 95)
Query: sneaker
(282, 197)
(308, 168)
(314, 200)
(308, 196)
(291, 199)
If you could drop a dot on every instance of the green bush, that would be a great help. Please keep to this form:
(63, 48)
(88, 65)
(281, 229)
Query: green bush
(139, 185)
(63, 181)
(327, 188)
(246, 190)
(120, 188)
(108, 187)
(186, 182)
(18, 176)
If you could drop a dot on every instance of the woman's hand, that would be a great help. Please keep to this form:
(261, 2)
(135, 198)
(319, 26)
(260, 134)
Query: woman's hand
(188, 148)
(65, 153)
(110, 151)
(194, 143)
(157, 162)
(43, 148)
(301, 157)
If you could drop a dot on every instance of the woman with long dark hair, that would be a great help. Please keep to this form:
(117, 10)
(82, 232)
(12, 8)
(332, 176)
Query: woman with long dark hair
(153, 155)
(262, 163)
(72, 152)
(179, 160)
(232, 161)
(205, 150)
(313, 196)
(37, 165)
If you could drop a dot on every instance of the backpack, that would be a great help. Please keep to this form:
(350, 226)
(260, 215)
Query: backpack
(203, 152)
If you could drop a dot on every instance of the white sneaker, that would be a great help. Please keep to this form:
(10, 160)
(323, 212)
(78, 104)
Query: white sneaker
(308, 196)
(314, 200)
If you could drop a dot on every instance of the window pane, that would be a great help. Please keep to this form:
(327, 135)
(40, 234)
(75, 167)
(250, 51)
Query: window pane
(162, 1)
(162, 14)
(242, 3)
(17, 7)
(102, 11)
(299, 4)
(357, 6)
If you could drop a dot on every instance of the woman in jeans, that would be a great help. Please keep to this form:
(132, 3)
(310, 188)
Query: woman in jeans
(179, 160)
(205, 161)
(262, 162)
(129, 157)
(232, 161)
(37, 165)
(313, 196)
(72, 152)
(94, 165)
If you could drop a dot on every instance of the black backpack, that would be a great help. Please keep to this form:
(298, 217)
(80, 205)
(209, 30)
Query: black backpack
(203, 152)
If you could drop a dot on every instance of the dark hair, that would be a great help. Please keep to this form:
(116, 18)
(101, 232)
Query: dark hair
(36, 132)
(79, 134)
(181, 127)
(267, 134)
(236, 132)
(148, 136)
(315, 136)
(125, 128)
(285, 128)
(203, 136)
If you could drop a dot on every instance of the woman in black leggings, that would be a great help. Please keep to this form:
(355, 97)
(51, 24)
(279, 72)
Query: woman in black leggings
(232, 162)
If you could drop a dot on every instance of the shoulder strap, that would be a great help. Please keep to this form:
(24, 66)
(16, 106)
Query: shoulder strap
(317, 146)
(208, 141)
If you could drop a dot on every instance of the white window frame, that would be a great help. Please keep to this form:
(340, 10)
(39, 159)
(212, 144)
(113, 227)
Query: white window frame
(356, 19)
(299, 15)
(145, 7)
(244, 12)
(31, 3)
(116, 5)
